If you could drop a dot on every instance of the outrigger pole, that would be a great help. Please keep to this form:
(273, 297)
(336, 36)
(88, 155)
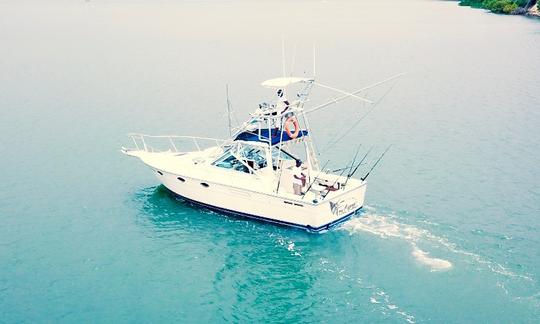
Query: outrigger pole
(314, 60)
(228, 110)
(283, 56)
(293, 61)
(347, 95)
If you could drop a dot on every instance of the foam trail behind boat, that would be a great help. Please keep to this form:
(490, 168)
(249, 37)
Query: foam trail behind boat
(385, 227)
(435, 264)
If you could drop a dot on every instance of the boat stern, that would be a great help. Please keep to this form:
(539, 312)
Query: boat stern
(338, 208)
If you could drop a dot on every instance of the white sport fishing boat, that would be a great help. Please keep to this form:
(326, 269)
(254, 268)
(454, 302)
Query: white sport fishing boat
(254, 173)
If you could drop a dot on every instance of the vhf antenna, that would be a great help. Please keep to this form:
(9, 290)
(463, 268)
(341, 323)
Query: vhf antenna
(228, 110)
(313, 60)
(283, 56)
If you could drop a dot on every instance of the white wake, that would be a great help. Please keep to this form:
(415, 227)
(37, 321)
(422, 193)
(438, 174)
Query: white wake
(386, 227)
(435, 264)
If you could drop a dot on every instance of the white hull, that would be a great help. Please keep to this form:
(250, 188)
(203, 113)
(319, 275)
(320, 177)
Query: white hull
(211, 187)
(271, 208)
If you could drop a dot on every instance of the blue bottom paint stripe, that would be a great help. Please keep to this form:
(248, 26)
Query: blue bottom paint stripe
(265, 219)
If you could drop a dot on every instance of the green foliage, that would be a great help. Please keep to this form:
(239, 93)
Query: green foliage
(471, 3)
(498, 6)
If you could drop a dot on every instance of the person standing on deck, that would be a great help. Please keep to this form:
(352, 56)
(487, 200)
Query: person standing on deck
(299, 178)
(283, 103)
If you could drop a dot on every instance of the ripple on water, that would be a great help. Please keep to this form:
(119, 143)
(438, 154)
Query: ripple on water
(386, 225)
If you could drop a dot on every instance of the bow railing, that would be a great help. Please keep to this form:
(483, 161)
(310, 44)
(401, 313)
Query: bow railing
(172, 143)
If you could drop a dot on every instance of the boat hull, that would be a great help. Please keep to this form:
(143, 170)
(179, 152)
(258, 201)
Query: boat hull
(314, 217)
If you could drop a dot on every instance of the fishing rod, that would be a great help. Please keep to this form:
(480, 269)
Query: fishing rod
(348, 167)
(354, 158)
(343, 169)
(315, 179)
(358, 165)
(340, 169)
(352, 163)
(350, 174)
(379, 160)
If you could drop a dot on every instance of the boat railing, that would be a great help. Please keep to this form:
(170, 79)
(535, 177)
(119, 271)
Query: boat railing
(173, 143)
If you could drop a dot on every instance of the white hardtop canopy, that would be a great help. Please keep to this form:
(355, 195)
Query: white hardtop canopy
(284, 82)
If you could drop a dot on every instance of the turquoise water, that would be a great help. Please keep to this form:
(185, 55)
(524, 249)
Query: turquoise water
(451, 228)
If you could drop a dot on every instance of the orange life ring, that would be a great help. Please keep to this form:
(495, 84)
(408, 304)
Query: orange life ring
(294, 122)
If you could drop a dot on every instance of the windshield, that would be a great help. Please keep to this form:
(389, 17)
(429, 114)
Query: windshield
(245, 159)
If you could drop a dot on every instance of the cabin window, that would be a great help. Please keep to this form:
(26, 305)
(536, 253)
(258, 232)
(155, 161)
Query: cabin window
(159, 172)
(228, 161)
(181, 179)
(204, 184)
(244, 159)
(253, 156)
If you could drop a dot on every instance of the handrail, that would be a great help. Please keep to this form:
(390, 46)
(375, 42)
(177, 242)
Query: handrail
(141, 142)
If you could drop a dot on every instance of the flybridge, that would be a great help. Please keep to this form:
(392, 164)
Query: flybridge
(281, 121)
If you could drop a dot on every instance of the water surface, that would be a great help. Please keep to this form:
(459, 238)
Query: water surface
(451, 229)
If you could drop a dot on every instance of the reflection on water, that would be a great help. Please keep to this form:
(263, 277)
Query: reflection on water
(161, 208)
(165, 210)
(252, 254)
(263, 264)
